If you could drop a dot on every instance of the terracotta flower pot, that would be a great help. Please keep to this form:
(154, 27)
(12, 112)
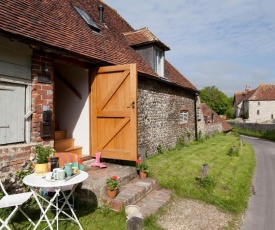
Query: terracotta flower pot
(112, 194)
(142, 175)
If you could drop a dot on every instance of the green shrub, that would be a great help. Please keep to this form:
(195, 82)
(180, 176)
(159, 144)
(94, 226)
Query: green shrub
(160, 150)
(234, 151)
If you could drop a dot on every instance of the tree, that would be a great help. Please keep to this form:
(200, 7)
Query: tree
(215, 99)
(230, 110)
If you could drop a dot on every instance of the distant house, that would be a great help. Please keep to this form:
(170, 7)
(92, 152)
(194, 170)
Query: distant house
(213, 122)
(79, 77)
(256, 106)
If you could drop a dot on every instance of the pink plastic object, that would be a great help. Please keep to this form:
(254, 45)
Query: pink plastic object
(97, 161)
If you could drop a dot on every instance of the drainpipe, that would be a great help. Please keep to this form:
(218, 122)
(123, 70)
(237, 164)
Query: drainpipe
(196, 119)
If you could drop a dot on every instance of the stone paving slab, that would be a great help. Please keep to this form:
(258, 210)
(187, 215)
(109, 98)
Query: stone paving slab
(131, 193)
(154, 201)
(144, 193)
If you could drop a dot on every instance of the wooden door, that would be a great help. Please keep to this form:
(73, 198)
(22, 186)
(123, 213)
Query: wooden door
(12, 107)
(114, 112)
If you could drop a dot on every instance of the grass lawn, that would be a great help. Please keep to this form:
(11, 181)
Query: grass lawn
(227, 185)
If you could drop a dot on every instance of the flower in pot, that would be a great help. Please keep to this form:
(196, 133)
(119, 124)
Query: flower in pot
(143, 168)
(42, 155)
(112, 186)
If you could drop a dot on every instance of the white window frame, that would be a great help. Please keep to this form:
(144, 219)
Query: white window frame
(184, 116)
(198, 114)
(159, 61)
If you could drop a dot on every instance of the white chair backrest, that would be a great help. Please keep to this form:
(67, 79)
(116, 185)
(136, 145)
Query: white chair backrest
(2, 188)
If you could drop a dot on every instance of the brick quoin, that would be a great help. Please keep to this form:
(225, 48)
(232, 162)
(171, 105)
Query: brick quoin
(40, 95)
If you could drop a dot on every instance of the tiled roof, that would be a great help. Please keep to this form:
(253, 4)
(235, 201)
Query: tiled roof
(55, 24)
(142, 37)
(238, 97)
(264, 92)
(217, 119)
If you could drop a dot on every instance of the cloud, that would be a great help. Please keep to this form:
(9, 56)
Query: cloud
(212, 42)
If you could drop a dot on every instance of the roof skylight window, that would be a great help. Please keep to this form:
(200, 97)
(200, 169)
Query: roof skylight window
(87, 19)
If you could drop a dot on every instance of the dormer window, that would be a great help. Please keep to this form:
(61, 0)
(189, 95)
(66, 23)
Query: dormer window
(159, 61)
(149, 47)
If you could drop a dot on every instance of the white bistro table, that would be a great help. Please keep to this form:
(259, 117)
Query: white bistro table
(34, 182)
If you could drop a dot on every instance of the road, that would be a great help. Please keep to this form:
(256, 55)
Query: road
(261, 208)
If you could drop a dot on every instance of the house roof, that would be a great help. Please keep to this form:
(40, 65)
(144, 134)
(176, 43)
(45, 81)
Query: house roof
(217, 119)
(264, 92)
(142, 37)
(238, 97)
(57, 25)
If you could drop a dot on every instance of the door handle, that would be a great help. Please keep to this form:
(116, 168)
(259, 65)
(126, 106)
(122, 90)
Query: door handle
(131, 105)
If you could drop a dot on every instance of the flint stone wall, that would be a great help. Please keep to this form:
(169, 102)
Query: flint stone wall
(159, 114)
(254, 126)
(210, 129)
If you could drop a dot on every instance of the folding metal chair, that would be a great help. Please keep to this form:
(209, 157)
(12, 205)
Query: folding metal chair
(15, 200)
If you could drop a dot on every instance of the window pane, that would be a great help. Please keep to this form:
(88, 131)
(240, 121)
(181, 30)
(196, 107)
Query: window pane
(183, 117)
(159, 62)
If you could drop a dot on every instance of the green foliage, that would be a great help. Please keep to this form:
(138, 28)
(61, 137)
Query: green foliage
(245, 115)
(43, 153)
(207, 183)
(234, 151)
(142, 166)
(201, 137)
(230, 113)
(180, 143)
(269, 135)
(160, 150)
(112, 182)
(105, 210)
(215, 99)
(24, 172)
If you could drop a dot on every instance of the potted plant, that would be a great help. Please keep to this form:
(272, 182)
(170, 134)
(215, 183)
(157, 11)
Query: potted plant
(143, 169)
(112, 186)
(42, 155)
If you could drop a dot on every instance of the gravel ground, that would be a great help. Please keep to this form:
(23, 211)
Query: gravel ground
(186, 214)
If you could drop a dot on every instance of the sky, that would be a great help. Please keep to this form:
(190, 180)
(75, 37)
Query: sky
(229, 44)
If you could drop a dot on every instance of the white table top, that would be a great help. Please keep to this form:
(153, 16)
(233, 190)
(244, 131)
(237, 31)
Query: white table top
(38, 181)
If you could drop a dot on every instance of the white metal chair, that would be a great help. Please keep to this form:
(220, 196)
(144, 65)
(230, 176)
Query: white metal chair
(15, 200)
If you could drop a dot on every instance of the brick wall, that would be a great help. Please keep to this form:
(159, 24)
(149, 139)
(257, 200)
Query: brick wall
(42, 94)
(16, 157)
(158, 115)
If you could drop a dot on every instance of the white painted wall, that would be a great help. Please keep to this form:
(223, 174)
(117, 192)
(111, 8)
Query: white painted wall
(266, 109)
(71, 112)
